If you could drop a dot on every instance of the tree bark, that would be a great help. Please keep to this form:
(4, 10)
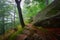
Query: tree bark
(3, 28)
(47, 2)
(20, 12)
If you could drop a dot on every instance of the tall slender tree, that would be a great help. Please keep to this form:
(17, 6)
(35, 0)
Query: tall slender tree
(20, 12)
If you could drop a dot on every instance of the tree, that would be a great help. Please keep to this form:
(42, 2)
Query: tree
(20, 12)
(32, 7)
(5, 9)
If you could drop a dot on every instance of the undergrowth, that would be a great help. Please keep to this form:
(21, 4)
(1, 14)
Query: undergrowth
(14, 35)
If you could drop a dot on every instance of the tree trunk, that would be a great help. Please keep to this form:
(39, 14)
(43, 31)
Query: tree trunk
(20, 12)
(47, 2)
(3, 28)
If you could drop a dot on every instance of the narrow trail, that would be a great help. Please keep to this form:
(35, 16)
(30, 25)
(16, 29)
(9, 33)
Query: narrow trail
(33, 33)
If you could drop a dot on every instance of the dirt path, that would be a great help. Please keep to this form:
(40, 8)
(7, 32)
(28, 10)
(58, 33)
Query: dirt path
(33, 33)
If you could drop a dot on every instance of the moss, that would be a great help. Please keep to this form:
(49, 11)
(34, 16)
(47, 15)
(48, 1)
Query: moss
(13, 36)
(53, 11)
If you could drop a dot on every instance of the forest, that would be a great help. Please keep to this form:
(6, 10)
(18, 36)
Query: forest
(29, 19)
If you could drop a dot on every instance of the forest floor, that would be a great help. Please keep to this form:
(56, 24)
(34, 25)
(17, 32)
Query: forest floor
(32, 32)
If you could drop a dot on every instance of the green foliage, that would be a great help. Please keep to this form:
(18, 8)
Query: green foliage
(32, 8)
(7, 18)
(40, 0)
(4, 8)
(14, 35)
(27, 1)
